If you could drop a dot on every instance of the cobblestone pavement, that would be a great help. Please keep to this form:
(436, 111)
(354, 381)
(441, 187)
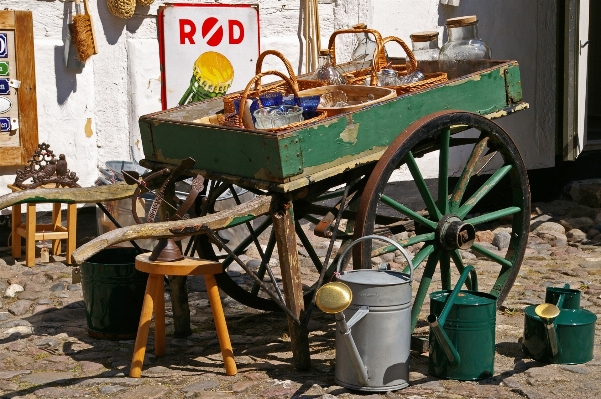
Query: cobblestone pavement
(45, 351)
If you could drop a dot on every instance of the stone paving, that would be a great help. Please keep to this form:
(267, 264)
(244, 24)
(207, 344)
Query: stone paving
(45, 351)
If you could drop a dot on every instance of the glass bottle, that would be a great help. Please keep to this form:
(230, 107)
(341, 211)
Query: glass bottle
(326, 72)
(366, 46)
(426, 51)
(464, 53)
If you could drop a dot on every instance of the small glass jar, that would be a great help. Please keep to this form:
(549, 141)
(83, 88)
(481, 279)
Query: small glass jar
(426, 50)
(464, 53)
(388, 77)
(326, 72)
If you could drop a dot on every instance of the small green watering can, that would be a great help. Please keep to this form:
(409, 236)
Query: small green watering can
(559, 331)
(462, 332)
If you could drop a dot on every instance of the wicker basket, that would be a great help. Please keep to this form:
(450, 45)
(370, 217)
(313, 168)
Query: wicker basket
(121, 8)
(236, 120)
(358, 75)
(279, 86)
(431, 79)
(145, 2)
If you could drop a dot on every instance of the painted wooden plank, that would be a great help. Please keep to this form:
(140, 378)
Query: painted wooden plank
(28, 104)
(7, 20)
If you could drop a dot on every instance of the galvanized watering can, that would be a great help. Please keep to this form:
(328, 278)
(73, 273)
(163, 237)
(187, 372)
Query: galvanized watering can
(462, 332)
(559, 331)
(375, 356)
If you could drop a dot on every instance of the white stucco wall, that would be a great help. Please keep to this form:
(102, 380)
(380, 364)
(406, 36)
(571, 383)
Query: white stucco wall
(91, 115)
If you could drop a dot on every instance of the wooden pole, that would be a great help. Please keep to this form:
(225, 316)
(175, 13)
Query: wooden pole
(283, 225)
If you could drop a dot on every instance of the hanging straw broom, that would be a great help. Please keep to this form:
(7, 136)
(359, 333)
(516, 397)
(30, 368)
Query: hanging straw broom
(82, 31)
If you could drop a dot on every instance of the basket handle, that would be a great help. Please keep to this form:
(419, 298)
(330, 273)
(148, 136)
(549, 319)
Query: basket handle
(284, 60)
(412, 67)
(258, 78)
(332, 44)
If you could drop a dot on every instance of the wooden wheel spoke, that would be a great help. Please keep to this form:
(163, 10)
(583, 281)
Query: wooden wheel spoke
(420, 256)
(494, 257)
(308, 246)
(264, 263)
(421, 186)
(467, 173)
(407, 212)
(488, 217)
(443, 172)
(482, 191)
(424, 284)
(404, 243)
(246, 242)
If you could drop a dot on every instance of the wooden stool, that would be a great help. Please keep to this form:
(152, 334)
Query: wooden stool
(33, 232)
(154, 298)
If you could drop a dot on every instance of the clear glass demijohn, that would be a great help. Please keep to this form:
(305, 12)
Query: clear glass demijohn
(464, 53)
(426, 51)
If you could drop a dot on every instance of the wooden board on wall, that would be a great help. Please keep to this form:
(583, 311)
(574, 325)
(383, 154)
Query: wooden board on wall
(17, 62)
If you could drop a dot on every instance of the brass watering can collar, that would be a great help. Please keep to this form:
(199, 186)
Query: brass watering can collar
(547, 311)
(333, 297)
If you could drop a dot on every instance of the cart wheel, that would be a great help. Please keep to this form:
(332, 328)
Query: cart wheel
(449, 223)
(307, 212)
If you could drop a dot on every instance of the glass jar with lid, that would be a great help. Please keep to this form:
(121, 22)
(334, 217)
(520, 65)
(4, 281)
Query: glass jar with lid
(426, 51)
(326, 72)
(464, 53)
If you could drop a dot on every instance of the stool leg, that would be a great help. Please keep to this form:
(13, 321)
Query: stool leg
(71, 230)
(16, 238)
(56, 221)
(144, 327)
(30, 229)
(159, 319)
(220, 326)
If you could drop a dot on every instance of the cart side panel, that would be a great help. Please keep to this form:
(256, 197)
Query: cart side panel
(513, 84)
(237, 152)
(372, 129)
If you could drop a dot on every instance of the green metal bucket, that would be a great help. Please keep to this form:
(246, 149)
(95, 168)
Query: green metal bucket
(462, 333)
(113, 291)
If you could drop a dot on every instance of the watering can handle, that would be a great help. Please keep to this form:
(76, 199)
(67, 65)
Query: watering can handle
(381, 238)
(562, 297)
(449, 304)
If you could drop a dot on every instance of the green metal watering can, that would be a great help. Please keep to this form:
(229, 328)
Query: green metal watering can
(462, 332)
(559, 331)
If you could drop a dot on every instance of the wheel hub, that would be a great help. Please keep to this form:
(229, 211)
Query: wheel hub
(453, 234)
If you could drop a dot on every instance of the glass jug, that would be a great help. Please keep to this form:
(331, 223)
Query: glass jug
(464, 53)
(366, 46)
(426, 51)
(326, 72)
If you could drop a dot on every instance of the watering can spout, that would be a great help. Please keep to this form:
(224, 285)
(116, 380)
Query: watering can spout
(354, 355)
(444, 341)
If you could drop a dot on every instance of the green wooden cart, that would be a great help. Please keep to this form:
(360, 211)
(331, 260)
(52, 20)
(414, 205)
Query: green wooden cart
(339, 175)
